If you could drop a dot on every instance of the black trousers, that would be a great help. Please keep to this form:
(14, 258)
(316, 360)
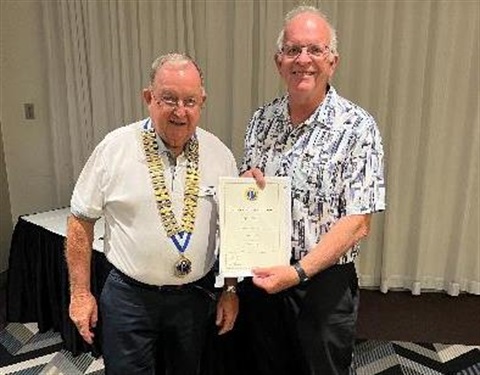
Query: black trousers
(306, 330)
(148, 330)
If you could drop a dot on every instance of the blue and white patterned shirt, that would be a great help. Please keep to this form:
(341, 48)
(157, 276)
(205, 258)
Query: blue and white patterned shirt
(334, 160)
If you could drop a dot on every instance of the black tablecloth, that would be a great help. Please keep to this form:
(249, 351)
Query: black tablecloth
(37, 286)
(38, 291)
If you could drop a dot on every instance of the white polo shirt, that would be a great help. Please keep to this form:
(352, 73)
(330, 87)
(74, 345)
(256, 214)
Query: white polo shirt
(115, 183)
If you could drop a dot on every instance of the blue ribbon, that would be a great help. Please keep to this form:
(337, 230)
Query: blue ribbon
(181, 240)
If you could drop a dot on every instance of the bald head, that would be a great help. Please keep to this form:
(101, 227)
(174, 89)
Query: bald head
(306, 14)
(177, 59)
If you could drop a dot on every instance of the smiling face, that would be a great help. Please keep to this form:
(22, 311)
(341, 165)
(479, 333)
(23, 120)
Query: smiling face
(307, 74)
(175, 102)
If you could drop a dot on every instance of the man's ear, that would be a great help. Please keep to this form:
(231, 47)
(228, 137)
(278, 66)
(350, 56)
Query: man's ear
(278, 60)
(147, 96)
(334, 61)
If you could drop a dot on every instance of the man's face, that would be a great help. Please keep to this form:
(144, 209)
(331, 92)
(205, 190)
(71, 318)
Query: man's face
(175, 103)
(307, 73)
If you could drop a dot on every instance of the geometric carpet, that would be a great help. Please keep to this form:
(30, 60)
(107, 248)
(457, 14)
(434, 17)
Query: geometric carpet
(25, 351)
(396, 357)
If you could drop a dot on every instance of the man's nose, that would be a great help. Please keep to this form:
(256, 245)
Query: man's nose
(180, 110)
(304, 56)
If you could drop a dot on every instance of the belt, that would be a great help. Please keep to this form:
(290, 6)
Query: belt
(205, 283)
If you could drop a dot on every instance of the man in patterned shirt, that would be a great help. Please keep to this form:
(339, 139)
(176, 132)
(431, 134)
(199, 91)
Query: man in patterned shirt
(301, 318)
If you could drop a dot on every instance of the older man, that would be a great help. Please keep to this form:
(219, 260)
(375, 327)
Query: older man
(154, 182)
(302, 317)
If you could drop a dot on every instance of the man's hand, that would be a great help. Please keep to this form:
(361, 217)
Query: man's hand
(227, 311)
(257, 174)
(275, 279)
(84, 314)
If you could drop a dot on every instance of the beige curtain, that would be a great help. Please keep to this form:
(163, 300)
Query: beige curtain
(413, 64)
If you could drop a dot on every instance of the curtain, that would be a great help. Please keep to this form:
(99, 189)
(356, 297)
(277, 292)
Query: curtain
(413, 64)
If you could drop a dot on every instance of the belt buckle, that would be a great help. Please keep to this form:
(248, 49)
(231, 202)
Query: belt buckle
(169, 288)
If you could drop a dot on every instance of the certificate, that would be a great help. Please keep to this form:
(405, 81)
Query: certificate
(255, 224)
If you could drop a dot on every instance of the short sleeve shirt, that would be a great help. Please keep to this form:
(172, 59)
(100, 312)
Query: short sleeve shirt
(334, 161)
(115, 183)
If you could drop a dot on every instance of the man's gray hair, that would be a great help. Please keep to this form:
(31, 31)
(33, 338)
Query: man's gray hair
(313, 10)
(172, 57)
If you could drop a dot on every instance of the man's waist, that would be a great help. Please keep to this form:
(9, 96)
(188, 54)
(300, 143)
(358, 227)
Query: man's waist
(158, 268)
(206, 282)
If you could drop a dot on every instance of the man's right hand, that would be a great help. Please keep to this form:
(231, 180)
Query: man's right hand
(84, 314)
(257, 174)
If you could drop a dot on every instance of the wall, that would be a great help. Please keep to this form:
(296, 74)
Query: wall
(27, 156)
(5, 214)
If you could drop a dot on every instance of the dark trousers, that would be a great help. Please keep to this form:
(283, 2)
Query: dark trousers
(147, 330)
(306, 330)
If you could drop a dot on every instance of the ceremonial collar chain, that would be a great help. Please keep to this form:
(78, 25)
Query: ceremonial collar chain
(157, 175)
(180, 235)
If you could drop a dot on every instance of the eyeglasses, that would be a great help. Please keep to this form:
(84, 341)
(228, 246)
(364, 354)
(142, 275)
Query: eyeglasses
(175, 102)
(315, 50)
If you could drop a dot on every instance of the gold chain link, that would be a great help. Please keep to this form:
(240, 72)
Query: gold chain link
(162, 196)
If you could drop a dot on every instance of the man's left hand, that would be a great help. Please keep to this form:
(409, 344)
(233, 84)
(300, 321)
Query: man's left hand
(275, 279)
(227, 311)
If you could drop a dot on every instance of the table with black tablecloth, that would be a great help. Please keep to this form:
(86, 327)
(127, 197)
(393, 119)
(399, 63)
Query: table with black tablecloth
(37, 286)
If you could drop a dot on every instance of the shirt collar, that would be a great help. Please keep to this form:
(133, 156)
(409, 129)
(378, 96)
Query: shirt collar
(324, 114)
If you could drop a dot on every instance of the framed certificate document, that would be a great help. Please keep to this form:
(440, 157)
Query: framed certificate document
(255, 224)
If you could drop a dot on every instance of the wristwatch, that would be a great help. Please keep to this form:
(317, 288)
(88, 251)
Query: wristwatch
(302, 275)
(230, 289)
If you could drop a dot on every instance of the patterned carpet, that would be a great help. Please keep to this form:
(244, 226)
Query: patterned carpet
(396, 357)
(25, 351)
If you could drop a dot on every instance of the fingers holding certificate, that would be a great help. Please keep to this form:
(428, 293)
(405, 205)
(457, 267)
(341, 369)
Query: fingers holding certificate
(254, 224)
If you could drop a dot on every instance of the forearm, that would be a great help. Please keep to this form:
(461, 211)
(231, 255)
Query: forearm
(79, 254)
(336, 242)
